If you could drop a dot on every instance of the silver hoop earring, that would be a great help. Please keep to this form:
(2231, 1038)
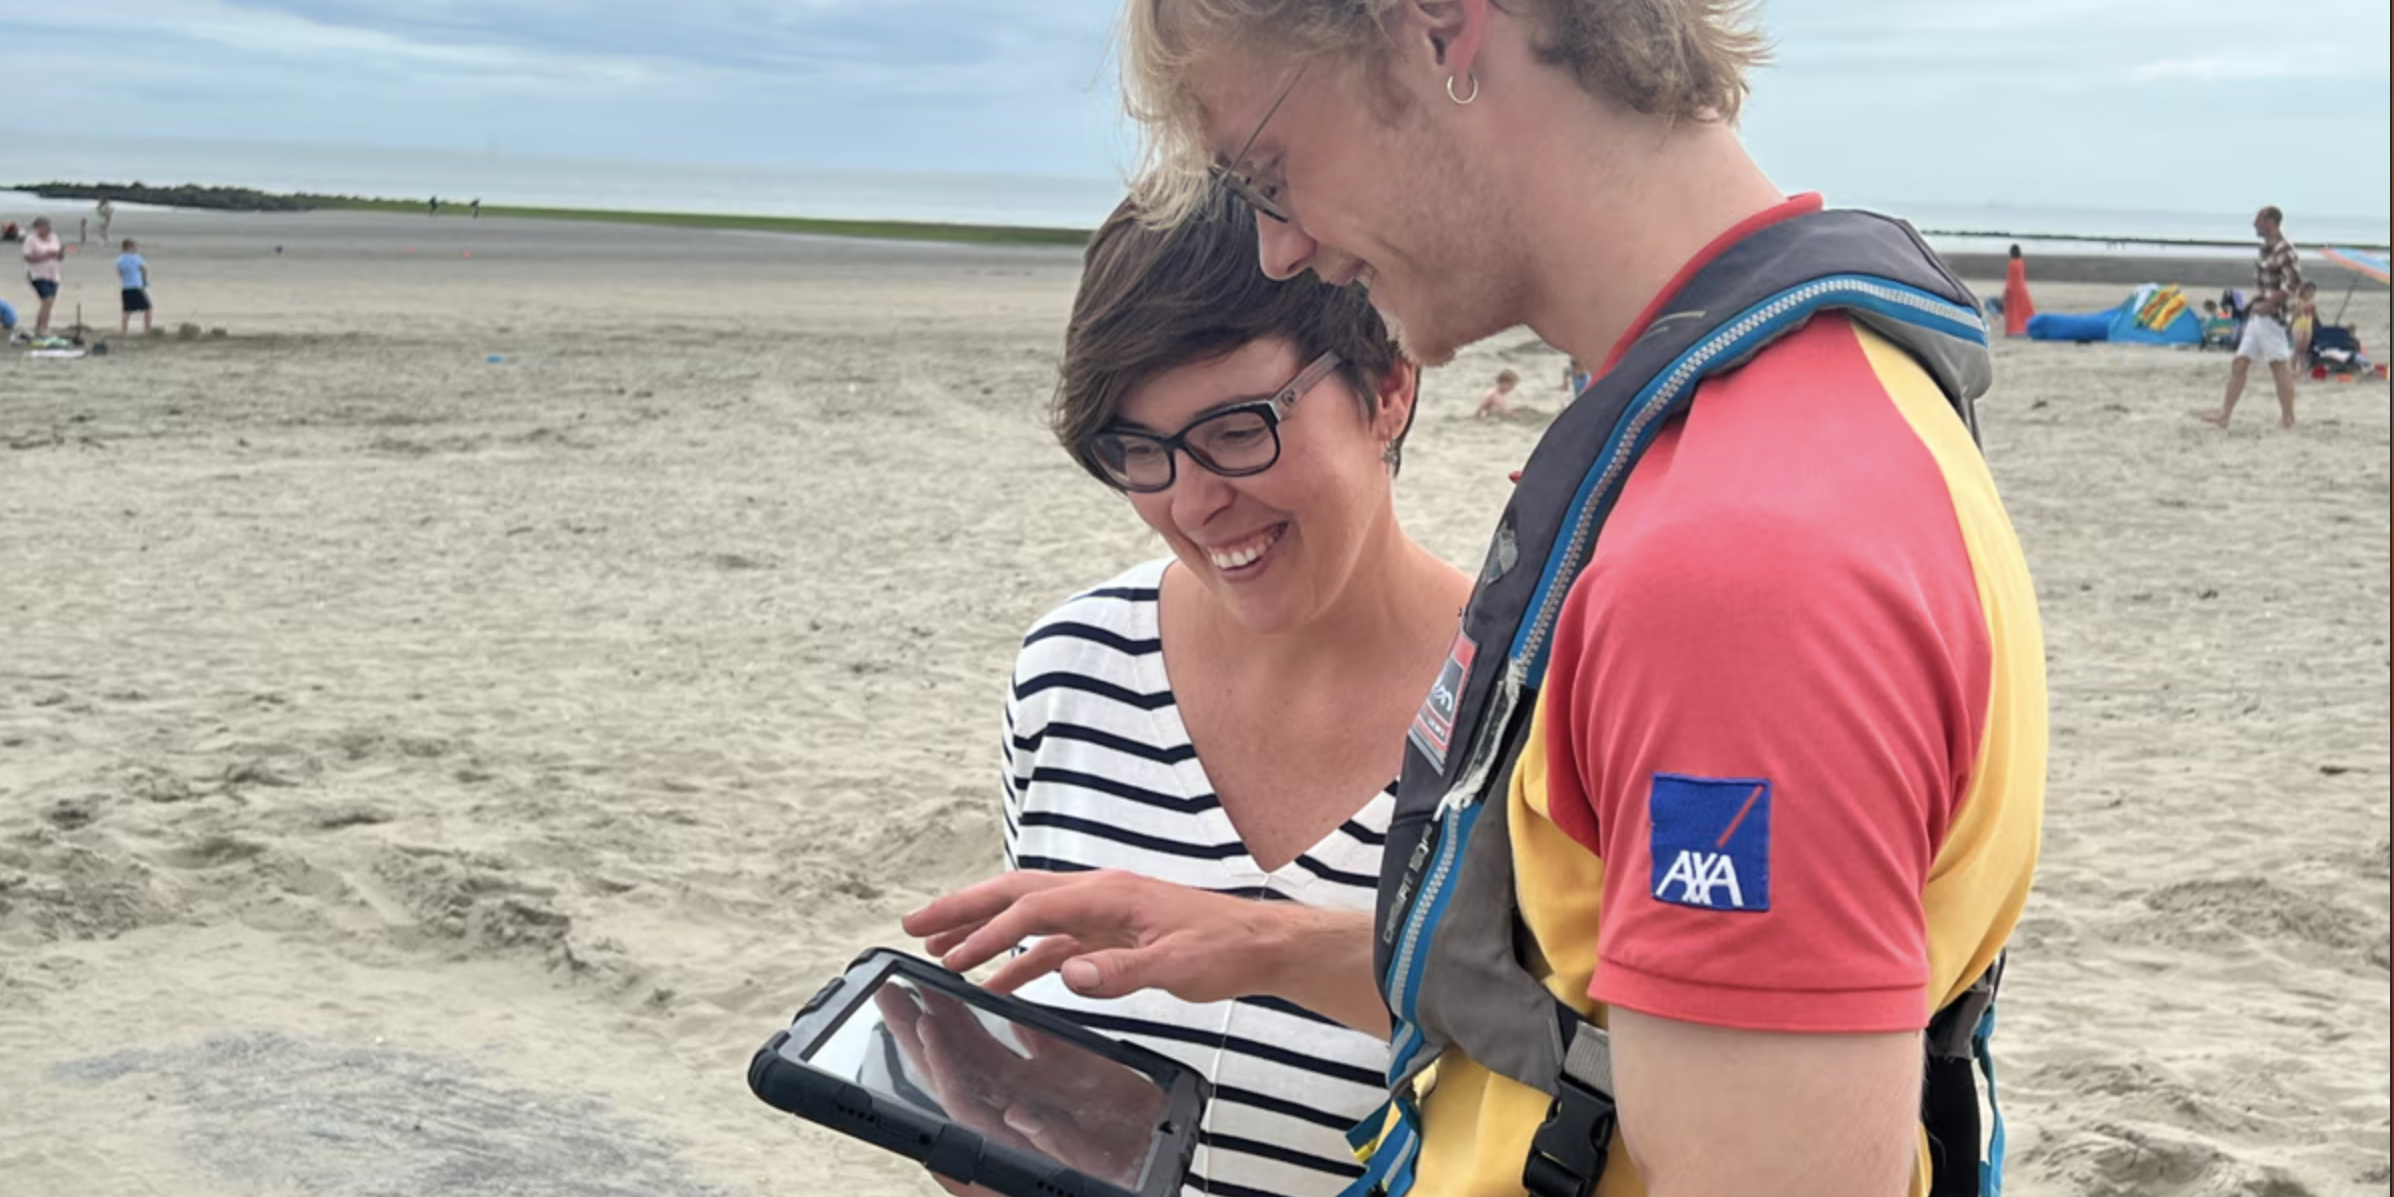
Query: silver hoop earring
(1475, 88)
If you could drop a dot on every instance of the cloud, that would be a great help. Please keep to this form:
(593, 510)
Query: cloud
(916, 47)
(2078, 45)
(222, 32)
(959, 85)
(2216, 70)
(2313, 68)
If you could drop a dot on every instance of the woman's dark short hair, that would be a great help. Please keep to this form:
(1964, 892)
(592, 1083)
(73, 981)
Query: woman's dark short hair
(1155, 299)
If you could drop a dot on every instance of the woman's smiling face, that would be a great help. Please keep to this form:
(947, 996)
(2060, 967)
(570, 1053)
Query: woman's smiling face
(1276, 548)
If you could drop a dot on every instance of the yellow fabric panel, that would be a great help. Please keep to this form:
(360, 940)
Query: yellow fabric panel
(1981, 876)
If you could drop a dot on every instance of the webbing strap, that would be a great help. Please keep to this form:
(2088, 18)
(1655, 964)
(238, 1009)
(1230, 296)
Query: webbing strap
(1587, 1052)
(1386, 1152)
(1393, 1152)
(1951, 1031)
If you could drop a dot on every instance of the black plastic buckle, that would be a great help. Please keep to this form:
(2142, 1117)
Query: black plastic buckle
(1568, 1153)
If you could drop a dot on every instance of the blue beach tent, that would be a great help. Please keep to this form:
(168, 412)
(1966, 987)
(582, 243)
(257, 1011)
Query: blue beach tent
(2156, 315)
(2082, 327)
(2152, 314)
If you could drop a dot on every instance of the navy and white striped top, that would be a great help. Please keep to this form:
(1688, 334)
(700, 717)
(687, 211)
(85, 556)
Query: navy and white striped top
(1100, 774)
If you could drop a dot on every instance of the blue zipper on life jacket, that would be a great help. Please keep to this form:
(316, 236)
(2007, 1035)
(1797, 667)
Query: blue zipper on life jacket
(1404, 981)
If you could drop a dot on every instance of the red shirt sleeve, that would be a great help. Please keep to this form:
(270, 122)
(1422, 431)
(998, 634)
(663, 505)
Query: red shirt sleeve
(1762, 718)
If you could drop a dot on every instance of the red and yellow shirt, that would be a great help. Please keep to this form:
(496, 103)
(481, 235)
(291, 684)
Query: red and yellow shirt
(1787, 769)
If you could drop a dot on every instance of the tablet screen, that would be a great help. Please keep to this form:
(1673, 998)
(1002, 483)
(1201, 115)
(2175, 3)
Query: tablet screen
(1012, 1084)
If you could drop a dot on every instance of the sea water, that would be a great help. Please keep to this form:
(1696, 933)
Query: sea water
(531, 181)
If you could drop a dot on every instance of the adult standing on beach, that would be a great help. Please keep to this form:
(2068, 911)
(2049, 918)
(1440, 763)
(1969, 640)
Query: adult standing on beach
(1232, 717)
(43, 259)
(107, 213)
(1858, 650)
(2268, 336)
(2018, 308)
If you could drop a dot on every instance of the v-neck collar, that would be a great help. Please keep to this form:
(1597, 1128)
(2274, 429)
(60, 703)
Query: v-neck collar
(1171, 728)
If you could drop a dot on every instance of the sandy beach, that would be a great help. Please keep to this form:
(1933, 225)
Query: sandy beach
(449, 721)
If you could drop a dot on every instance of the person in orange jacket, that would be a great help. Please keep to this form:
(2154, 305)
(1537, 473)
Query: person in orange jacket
(2017, 307)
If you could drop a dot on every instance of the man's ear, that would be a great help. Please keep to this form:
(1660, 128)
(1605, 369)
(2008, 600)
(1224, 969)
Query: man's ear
(1447, 33)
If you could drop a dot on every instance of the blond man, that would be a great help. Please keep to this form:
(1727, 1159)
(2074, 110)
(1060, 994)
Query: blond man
(1778, 800)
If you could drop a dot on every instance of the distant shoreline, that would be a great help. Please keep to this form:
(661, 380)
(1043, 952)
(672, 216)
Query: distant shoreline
(239, 199)
(2245, 245)
(878, 230)
(2053, 257)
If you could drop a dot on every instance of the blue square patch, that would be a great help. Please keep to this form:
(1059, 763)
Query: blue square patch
(1712, 842)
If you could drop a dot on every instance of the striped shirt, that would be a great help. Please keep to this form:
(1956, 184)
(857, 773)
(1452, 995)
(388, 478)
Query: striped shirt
(2277, 276)
(1100, 773)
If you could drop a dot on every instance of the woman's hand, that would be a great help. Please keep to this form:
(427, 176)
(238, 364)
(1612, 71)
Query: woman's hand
(1111, 934)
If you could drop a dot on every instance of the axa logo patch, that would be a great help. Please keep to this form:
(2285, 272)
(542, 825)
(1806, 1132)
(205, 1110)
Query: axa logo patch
(1712, 842)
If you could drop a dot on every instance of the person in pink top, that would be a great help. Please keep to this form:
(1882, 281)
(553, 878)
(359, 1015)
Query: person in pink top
(43, 254)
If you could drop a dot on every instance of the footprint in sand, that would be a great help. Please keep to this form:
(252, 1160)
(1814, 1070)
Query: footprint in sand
(151, 783)
(471, 901)
(65, 891)
(2108, 1160)
(338, 818)
(275, 772)
(211, 852)
(2255, 907)
(71, 814)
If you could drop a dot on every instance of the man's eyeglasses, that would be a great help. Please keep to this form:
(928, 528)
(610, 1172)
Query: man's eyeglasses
(1236, 441)
(1227, 173)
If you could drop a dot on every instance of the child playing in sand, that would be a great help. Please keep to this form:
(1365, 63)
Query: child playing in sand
(133, 274)
(2306, 323)
(2219, 326)
(1496, 401)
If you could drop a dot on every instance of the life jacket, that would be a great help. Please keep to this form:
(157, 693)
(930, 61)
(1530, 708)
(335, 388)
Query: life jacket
(1449, 925)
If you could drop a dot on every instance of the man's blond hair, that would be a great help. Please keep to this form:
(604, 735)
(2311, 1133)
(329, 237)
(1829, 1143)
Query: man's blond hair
(1682, 60)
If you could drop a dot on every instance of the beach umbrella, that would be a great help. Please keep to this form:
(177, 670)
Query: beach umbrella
(2362, 263)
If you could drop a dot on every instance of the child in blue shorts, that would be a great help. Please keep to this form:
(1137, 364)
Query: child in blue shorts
(133, 274)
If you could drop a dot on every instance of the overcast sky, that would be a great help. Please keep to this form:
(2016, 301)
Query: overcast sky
(2188, 105)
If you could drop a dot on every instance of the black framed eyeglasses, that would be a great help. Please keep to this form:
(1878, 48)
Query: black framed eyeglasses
(1226, 172)
(1235, 441)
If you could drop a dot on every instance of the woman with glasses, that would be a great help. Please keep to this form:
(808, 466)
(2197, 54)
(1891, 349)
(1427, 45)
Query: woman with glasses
(1231, 717)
